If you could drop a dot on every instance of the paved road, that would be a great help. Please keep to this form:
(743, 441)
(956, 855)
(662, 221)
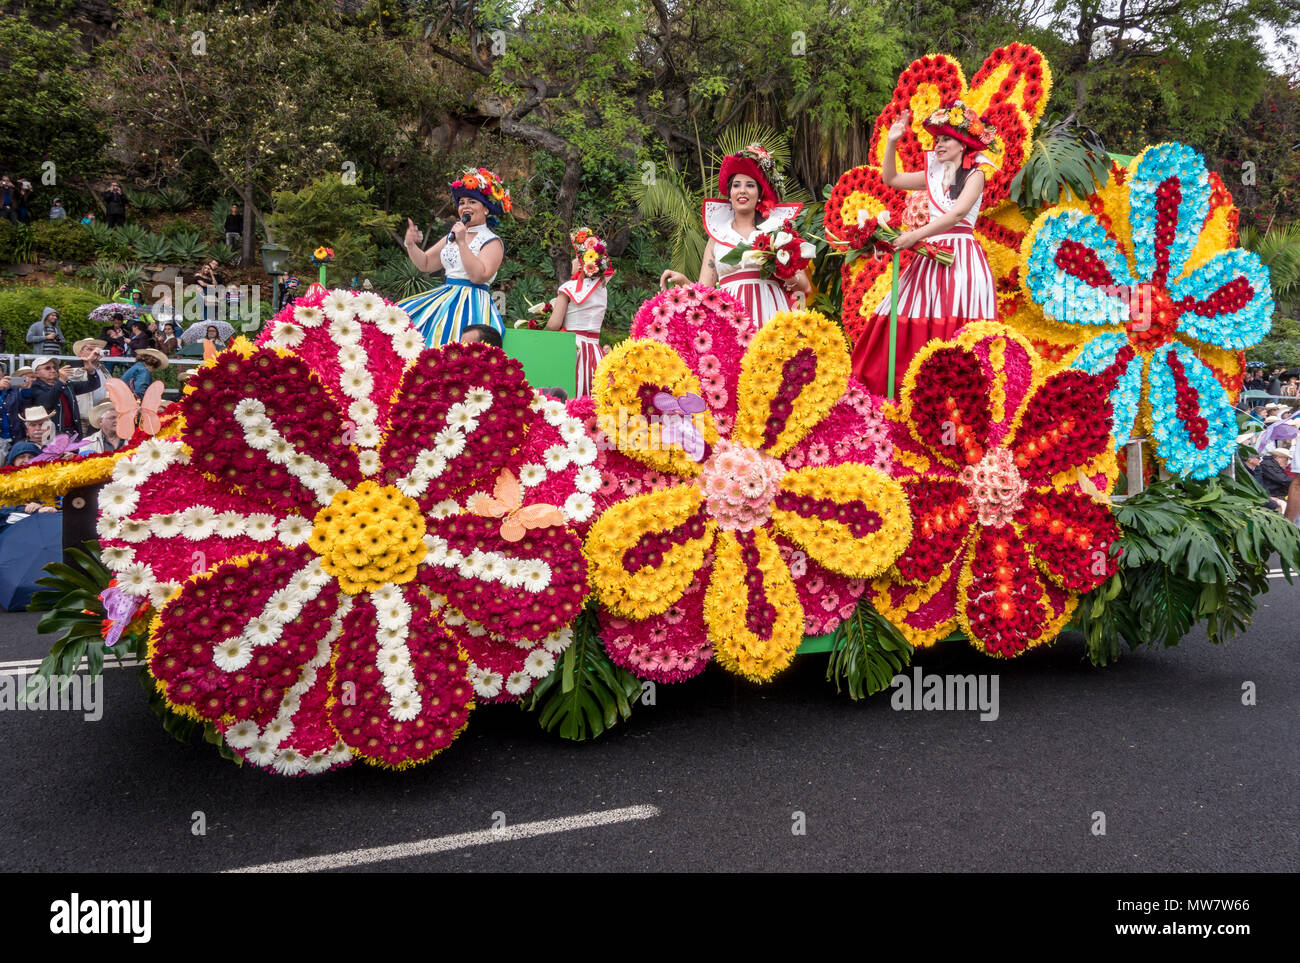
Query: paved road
(715, 775)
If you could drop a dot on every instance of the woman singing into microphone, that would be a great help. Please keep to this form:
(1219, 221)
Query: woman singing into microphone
(471, 254)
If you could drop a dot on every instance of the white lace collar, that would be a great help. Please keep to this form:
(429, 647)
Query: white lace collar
(719, 218)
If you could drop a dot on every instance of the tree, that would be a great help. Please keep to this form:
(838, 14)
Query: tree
(329, 213)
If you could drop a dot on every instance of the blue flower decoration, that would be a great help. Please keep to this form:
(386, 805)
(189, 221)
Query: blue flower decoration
(1078, 274)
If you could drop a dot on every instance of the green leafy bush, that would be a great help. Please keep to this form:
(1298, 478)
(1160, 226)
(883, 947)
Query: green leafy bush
(188, 248)
(332, 214)
(111, 275)
(20, 308)
(153, 248)
(177, 225)
(173, 199)
(63, 240)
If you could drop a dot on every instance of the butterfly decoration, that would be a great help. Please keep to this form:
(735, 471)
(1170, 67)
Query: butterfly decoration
(506, 502)
(678, 423)
(132, 411)
(60, 445)
(120, 607)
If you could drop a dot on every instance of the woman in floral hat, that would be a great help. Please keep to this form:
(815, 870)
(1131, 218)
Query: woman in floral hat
(471, 254)
(581, 302)
(751, 184)
(935, 300)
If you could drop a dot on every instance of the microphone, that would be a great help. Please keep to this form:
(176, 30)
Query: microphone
(464, 219)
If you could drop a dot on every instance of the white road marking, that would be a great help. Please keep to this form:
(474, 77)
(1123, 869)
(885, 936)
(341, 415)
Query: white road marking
(29, 666)
(443, 844)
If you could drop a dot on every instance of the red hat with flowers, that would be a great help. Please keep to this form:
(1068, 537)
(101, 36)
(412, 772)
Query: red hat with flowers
(960, 122)
(754, 161)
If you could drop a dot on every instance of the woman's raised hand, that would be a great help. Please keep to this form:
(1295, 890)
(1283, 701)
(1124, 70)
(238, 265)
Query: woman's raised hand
(413, 234)
(899, 127)
(672, 277)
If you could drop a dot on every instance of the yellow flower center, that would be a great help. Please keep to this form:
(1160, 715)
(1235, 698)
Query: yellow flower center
(368, 537)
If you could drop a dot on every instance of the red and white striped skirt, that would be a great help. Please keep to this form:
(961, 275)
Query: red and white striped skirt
(933, 302)
(590, 351)
(762, 297)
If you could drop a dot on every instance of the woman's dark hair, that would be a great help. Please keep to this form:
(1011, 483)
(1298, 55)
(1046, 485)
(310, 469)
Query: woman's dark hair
(958, 182)
(486, 333)
(144, 328)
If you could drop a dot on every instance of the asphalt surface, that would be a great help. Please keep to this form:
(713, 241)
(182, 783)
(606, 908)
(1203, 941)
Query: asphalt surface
(1187, 777)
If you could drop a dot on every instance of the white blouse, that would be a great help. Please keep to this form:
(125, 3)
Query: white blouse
(588, 302)
(719, 224)
(451, 262)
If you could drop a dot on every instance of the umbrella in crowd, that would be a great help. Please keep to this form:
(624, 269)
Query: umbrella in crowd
(116, 311)
(26, 547)
(198, 331)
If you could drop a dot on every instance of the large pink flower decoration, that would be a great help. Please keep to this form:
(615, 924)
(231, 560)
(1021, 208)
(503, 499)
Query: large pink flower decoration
(325, 499)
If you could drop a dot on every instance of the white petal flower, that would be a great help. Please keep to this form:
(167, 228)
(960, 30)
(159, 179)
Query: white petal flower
(294, 530)
(583, 451)
(363, 410)
(539, 663)
(357, 383)
(478, 400)
(232, 655)
(368, 461)
(261, 753)
(449, 443)
(579, 507)
(242, 735)
(160, 592)
(277, 730)
(587, 479)
(259, 434)
(328, 488)
(572, 430)
(352, 356)
(117, 557)
(283, 606)
(492, 567)
(279, 450)
(393, 320)
(453, 617)
(286, 334)
(340, 308)
(553, 411)
(289, 762)
(370, 306)
(249, 408)
(408, 344)
(133, 530)
(129, 471)
(119, 498)
(386, 594)
(430, 463)
(558, 641)
(198, 522)
(537, 575)
(556, 458)
(444, 509)
(367, 436)
(530, 475)
(345, 332)
(513, 573)
(165, 526)
(488, 685)
(405, 709)
(260, 526)
(309, 317)
(230, 525)
(517, 683)
(463, 417)
(260, 631)
(410, 487)
(136, 579)
(317, 763)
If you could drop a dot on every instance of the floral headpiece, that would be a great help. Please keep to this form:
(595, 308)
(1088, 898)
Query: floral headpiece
(964, 124)
(590, 252)
(485, 187)
(756, 162)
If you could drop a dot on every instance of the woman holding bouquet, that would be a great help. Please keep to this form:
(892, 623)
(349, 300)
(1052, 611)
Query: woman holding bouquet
(935, 300)
(751, 183)
(581, 302)
(471, 254)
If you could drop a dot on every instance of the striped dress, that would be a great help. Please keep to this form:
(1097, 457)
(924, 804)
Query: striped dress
(588, 302)
(762, 297)
(443, 313)
(933, 300)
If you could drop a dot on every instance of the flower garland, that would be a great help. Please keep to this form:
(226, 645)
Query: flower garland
(45, 481)
(1151, 296)
(483, 180)
(1010, 90)
(775, 528)
(300, 534)
(1005, 534)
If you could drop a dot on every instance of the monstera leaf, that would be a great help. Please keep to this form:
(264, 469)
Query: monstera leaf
(1067, 156)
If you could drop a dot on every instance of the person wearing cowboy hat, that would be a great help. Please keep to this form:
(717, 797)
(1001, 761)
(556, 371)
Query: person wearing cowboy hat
(52, 389)
(103, 417)
(934, 300)
(470, 254)
(40, 425)
(11, 425)
(750, 184)
(138, 377)
(1274, 473)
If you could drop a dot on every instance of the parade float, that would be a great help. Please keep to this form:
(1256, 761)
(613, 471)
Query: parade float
(344, 542)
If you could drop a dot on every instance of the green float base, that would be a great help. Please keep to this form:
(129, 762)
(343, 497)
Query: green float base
(550, 358)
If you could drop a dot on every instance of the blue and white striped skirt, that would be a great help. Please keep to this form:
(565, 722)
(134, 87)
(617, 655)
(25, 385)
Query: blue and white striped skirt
(441, 315)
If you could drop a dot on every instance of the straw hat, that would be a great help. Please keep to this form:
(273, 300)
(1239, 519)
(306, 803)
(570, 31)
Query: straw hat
(98, 412)
(36, 413)
(88, 343)
(154, 353)
(26, 371)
